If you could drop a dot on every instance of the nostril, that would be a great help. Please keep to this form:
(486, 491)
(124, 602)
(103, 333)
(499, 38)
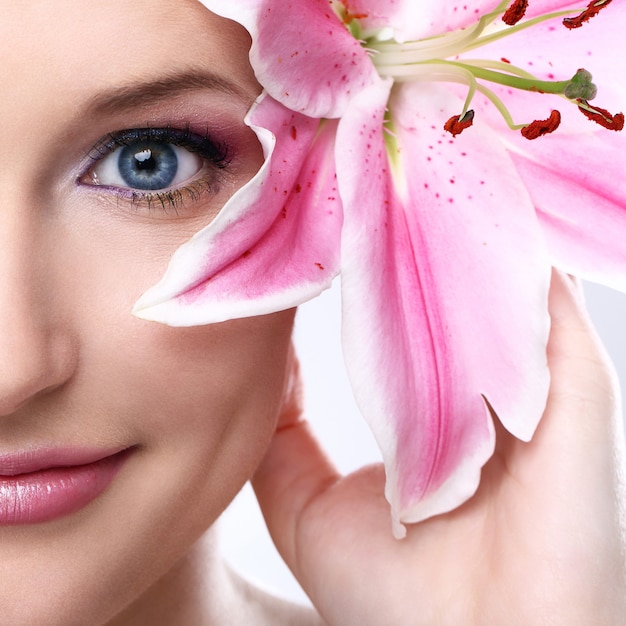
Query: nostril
(33, 367)
(17, 388)
(12, 402)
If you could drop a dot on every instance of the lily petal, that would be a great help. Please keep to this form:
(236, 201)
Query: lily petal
(274, 245)
(581, 203)
(290, 62)
(424, 249)
(412, 20)
(436, 229)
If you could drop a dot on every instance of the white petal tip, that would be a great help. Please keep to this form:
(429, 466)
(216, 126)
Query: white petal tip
(151, 314)
(397, 527)
(143, 313)
(146, 302)
(166, 312)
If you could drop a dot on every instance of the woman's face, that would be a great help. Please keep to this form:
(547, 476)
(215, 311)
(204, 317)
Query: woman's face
(82, 236)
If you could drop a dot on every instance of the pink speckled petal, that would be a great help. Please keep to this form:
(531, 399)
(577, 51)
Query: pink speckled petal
(419, 20)
(581, 203)
(274, 245)
(445, 280)
(301, 53)
(412, 20)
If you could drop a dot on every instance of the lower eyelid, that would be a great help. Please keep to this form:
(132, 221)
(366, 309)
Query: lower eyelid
(205, 195)
(178, 200)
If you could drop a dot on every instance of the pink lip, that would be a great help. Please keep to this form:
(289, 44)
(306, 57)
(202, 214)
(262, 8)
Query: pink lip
(42, 485)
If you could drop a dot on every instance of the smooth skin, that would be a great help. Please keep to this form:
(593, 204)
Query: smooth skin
(197, 406)
(542, 541)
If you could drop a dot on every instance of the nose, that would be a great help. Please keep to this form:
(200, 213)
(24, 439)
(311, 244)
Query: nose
(36, 351)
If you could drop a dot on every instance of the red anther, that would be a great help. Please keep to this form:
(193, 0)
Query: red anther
(538, 128)
(457, 124)
(515, 12)
(602, 116)
(351, 15)
(593, 8)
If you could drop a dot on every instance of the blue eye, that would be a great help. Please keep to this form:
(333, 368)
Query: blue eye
(147, 165)
(158, 165)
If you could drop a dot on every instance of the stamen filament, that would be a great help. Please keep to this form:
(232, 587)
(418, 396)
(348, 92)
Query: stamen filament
(519, 82)
(509, 79)
(431, 72)
(440, 58)
(500, 65)
(450, 44)
(495, 100)
(441, 46)
(473, 85)
(509, 30)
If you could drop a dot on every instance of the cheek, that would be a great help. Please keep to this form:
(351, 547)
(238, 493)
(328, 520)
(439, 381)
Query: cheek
(200, 403)
(221, 382)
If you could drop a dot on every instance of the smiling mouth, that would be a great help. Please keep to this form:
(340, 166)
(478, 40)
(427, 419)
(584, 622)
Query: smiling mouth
(44, 485)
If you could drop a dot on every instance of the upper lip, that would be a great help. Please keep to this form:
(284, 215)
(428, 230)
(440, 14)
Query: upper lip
(39, 459)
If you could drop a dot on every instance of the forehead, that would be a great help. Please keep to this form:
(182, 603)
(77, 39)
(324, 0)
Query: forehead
(86, 46)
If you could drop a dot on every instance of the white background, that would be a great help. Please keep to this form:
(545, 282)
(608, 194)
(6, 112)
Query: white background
(329, 407)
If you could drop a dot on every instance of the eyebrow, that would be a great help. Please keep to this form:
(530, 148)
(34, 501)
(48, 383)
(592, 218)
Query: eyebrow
(164, 87)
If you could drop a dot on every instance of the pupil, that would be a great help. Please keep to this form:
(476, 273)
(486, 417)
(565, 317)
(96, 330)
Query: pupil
(148, 165)
(145, 160)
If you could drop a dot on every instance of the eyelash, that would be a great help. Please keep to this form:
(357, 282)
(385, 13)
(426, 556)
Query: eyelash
(215, 154)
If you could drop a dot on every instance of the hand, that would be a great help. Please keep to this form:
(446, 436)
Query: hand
(543, 540)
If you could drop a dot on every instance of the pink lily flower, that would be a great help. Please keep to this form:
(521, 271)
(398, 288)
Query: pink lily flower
(390, 131)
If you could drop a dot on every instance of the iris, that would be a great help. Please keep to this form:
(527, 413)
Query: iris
(148, 165)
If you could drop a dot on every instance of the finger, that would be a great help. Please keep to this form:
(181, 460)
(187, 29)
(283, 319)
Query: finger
(293, 396)
(294, 472)
(582, 422)
(581, 372)
(580, 425)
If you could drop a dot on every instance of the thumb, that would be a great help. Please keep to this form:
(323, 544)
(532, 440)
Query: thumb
(293, 472)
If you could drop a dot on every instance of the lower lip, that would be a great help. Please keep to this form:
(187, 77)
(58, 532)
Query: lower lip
(45, 495)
